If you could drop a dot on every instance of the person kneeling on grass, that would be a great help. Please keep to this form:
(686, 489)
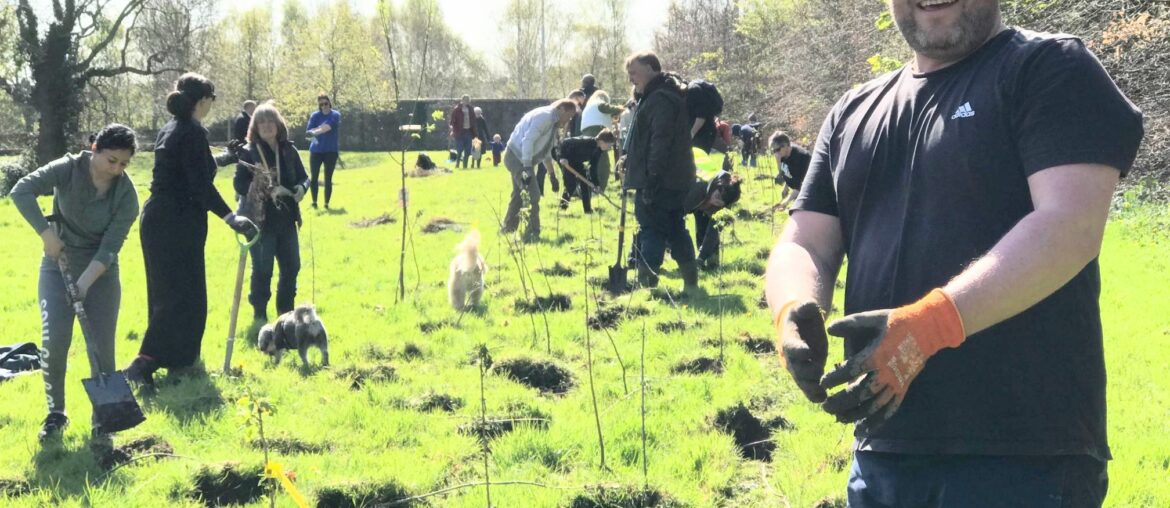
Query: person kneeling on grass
(703, 200)
(574, 153)
(272, 200)
(94, 205)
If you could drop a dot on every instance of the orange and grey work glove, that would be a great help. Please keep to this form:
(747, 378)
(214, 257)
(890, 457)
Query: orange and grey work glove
(900, 342)
(804, 347)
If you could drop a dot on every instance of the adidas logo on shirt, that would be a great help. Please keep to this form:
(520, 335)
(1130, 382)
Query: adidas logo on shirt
(964, 111)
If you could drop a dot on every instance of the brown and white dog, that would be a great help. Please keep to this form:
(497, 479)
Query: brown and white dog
(465, 283)
(297, 329)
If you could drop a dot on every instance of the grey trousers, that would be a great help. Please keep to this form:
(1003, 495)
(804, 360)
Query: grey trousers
(512, 218)
(57, 317)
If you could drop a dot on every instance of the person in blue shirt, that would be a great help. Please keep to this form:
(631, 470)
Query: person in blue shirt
(323, 125)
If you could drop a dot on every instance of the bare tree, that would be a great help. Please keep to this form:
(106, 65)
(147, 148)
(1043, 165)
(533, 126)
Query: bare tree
(62, 60)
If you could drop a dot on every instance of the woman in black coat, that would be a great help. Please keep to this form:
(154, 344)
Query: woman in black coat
(174, 231)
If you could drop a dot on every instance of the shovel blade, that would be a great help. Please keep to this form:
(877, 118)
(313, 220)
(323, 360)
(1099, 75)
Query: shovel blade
(114, 406)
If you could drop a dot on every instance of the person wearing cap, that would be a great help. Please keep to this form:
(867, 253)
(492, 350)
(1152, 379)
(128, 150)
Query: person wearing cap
(792, 164)
(703, 200)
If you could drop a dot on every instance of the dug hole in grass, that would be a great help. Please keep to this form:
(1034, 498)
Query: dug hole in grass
(358, 376)
(700, 365)
(544, 375)
(751, 436)
(229, 483)
(146, 445)
(361, 495)
(624, 496)
(552, 303)
(14, 487)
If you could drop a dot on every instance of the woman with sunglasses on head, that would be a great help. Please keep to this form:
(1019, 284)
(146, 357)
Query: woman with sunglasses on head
(94, 205)
(174, 231)
(324, 149)
(272, 179)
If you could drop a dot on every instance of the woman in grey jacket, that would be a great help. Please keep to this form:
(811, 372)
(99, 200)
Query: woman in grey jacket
(94, 205)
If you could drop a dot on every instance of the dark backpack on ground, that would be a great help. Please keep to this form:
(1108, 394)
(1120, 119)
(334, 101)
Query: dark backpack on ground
(424, 162)
(19, 358)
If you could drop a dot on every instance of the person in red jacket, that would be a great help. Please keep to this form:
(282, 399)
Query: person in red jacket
(463, 129)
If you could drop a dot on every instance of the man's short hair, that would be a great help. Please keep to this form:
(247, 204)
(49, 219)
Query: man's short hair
(466, 98)
(566, 105)
(249, 104)
(576, 93)
(645, 58)
(780, 140)
(606, 136)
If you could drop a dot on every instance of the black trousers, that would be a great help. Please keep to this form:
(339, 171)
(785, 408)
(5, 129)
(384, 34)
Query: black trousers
(706, 235)
(571, 186)
(173, 237)
(279, 241)
(329, 159)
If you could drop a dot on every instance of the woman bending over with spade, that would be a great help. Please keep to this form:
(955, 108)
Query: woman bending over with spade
(94, 205)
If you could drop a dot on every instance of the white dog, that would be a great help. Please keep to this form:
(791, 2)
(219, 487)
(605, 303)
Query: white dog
(465, 284)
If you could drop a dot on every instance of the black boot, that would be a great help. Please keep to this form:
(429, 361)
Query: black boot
(646, 277)
(690, 276)
(53, 426)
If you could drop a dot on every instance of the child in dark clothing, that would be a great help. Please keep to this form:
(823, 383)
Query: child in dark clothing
(574, 153)
(497, 149)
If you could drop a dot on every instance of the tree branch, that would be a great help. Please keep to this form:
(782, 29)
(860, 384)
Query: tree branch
(107, 72)
(132, 7)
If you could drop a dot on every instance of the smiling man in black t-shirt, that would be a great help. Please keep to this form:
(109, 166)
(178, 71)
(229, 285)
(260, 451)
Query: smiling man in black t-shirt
(970, 191)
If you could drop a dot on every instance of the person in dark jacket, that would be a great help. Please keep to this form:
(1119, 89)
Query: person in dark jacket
(660, 167)
(94, 204)
(273, 199)
(573, 156)
(174, 231)
(792, 163)
(242, 121)
(703, 200)
(481, 133)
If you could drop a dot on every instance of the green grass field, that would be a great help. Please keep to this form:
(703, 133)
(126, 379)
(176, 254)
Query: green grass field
(396, 431)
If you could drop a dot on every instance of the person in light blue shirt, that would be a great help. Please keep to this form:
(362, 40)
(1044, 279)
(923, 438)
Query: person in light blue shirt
(323, 127)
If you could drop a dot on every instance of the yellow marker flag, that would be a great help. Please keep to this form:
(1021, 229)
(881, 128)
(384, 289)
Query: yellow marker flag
(276, 470)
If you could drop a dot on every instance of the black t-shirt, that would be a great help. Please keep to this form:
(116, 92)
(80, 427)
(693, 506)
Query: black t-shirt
(580, 150)
(795, 166)
(926, 174)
